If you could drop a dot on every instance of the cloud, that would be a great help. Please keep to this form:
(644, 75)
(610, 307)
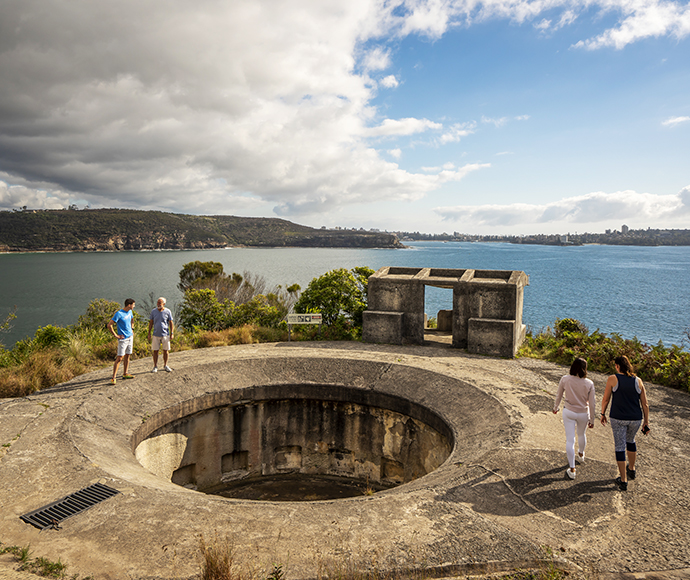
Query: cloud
(641, 19)
(390, 82)
(409, 126)
(593, 208)
(223, 107)
(673, 121)
(457, 131)
(397, 153)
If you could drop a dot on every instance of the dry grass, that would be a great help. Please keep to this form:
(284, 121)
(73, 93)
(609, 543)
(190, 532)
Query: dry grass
(40, 370)
(218, 561)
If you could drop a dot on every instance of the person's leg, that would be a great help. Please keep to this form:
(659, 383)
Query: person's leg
(619, 429)
(582, 422)
(125, 364)
(165, 358)
(155, 358)
(631, 445)
(570, 425)
(117, 364)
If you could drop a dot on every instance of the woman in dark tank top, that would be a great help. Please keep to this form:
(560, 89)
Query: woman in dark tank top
(629, 411)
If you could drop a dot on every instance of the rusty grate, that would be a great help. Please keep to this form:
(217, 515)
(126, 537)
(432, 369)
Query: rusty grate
(51, 515)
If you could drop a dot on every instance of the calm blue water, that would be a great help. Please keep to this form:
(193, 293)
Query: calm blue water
(634, 291)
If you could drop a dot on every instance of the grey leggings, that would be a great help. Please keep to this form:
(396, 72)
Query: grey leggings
(624, 436)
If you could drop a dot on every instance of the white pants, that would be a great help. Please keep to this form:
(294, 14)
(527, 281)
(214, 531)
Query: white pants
(573, 421)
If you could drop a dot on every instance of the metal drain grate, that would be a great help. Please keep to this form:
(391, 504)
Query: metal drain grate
(52, 514)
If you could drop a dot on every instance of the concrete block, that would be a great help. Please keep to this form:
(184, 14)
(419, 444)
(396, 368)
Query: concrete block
(382, 327)
(492, 337)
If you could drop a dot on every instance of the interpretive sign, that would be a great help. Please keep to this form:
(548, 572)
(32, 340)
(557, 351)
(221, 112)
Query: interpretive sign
(304, 318)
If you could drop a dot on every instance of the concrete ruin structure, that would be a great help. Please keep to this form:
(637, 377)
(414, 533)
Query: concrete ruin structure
(487, 308)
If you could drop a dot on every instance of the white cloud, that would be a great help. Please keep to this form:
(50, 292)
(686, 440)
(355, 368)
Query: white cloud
(496, 122)
(457, 131)
(641, 19)
(408, 126)
(17, 196)
(396, 153)
(593, 208)
(673, 121)
(377, 59)
(390, 82)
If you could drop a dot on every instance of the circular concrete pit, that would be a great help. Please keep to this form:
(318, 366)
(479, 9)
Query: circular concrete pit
(294, 444)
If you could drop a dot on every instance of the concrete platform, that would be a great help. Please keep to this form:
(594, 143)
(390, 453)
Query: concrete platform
(494, 505)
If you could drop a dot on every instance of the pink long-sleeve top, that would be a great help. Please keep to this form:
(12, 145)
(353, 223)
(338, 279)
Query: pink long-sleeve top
(579, 395)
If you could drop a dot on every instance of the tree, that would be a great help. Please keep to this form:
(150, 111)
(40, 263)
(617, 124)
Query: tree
(192, 272)
(200, 309)
(338, 294)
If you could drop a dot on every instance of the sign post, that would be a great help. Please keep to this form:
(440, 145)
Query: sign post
(311, 318)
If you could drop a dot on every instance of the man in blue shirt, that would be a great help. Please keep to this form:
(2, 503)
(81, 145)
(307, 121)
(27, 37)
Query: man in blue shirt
(161, 322)
(121, 328)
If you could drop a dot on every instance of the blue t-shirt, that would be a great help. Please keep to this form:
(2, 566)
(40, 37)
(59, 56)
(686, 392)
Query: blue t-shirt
(123, 319)
(161, 321)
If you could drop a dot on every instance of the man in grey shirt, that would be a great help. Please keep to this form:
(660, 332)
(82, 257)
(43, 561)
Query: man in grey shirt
(161, 322)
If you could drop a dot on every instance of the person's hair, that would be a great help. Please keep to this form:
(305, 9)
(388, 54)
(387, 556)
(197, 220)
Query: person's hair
(129, 301)
(579, 368)
(162, 299)
(624, 365)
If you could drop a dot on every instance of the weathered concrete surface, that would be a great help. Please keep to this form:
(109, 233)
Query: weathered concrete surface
(501, 495)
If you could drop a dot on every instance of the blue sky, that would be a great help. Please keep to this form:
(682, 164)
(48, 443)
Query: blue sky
(494, 117)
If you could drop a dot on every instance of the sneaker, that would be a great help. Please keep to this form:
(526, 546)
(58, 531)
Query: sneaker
(127, 376)
(622, 485)
(631, 472)
(154, 370)
(571, 474)
(167, 369)
(113, 381)
(580, 457)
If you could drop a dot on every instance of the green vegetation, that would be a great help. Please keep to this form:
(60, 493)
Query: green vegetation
(122, 229)
(39, 566)
(570, 338)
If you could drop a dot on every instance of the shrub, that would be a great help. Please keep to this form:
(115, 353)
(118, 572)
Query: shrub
(98, 314)
(658, 364)
(337, 294)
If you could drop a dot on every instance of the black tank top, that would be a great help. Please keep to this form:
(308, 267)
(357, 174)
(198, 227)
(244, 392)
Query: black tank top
(625, 405)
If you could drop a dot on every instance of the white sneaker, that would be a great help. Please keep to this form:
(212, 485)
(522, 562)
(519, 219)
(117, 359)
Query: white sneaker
(580, 458)
(571, 474)
(154, 370)
(167, 369)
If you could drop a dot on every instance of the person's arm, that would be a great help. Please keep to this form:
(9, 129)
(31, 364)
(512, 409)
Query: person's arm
(111, 323)
(559, 395)
(150, 327)
(171, 324)
(645, 404)
(592, 406)
(610, 383)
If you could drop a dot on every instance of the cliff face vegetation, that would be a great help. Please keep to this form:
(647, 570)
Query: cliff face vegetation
(120, 229)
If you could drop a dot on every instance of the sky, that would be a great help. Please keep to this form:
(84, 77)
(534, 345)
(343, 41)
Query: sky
(476, 116)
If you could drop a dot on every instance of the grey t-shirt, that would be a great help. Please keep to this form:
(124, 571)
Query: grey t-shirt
(161, 321)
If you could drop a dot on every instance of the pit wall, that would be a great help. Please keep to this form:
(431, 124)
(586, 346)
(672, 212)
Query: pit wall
(252, 439)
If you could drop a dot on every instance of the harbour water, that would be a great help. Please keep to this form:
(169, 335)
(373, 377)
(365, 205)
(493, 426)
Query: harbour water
(633, 291)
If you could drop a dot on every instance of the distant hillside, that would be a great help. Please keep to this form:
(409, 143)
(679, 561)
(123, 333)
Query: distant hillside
(121, 229)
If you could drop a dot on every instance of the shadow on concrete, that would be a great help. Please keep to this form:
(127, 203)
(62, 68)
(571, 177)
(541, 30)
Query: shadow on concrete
(582, 501)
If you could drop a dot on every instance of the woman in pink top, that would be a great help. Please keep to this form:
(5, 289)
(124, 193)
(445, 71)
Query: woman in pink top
(578, 412)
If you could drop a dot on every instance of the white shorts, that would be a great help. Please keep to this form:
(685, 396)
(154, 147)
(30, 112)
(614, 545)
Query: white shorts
(124, 346)
(160, 341)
